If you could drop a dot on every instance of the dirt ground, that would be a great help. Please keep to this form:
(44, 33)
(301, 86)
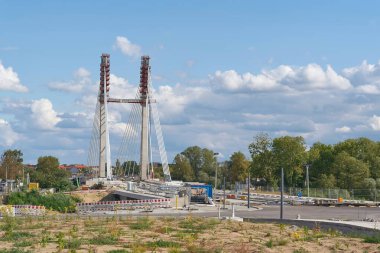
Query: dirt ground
(167, 234)
(89, 196)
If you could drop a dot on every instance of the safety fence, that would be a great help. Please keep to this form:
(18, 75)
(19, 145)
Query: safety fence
(22, 210)
(124, 205)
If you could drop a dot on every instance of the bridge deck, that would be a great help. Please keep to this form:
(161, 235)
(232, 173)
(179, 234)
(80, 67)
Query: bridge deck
(126, 195)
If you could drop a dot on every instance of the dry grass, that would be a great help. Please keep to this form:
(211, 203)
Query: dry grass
(171, 235)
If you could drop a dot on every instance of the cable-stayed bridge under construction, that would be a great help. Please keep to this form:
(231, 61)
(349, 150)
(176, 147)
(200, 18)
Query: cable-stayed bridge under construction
(136, 144)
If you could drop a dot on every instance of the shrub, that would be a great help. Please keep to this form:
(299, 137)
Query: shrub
(57, 201)
(97, 186)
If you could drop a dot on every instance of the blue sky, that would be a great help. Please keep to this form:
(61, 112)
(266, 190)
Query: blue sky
(224, 71)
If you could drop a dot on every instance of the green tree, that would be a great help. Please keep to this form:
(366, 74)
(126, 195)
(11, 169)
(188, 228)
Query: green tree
(181, 170)
(326, 181)
(158, 171)
(239, 167)
(118, 169)
(290, 153)
(350, 171)
(263, 164)
(131, 168)
(363, 149)
(201, 160)
(48, 174)
(209, 165)
(194, 155)
(11, 164)
(320, 159)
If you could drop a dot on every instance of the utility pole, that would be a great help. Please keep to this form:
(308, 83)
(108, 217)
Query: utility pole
(216, 173)
(249, 186)
(224, 192)
(307, 179)
(282, 194)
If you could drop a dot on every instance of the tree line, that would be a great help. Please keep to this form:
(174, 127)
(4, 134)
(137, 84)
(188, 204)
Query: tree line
(47, 172)
(350, 164)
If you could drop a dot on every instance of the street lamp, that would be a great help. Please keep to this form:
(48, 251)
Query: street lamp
(307, 178)
(216, 172)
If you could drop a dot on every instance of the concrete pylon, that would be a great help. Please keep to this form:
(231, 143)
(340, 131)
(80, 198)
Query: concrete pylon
(144, 101)
(105, 151)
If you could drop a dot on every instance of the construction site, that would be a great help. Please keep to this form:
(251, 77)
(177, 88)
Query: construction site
(142, 192)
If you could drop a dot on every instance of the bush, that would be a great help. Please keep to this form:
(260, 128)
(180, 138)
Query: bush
(97, 186)
(57, 201)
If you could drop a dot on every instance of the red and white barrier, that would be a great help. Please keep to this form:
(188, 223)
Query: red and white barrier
(19, 210)
(29, 210)
(123, 205)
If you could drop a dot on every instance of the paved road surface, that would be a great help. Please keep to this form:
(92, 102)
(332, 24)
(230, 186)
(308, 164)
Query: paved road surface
(315, 212)
(271, 212)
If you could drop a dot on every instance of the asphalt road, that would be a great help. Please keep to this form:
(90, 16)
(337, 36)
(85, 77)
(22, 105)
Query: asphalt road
(271, 212)
(314, 212)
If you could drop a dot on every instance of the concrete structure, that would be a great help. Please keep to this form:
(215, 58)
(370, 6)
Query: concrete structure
(128, 195)
(105, 151)
(144, 100)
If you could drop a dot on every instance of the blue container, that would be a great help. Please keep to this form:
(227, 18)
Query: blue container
(199, 189)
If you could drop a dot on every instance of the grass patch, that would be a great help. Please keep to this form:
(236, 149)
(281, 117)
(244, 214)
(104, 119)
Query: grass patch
(372, 239)
(142, 223)
(73, 244)
(118, 251)
(14, 250)
(104, 240)
(163, 244)
(269, 244)
(197, 225)
(14, 236)
(23, 244)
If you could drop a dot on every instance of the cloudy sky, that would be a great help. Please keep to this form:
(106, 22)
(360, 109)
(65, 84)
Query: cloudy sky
(222, 71)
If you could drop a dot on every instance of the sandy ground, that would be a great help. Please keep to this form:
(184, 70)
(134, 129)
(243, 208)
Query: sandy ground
(168, 234)
(90, 195)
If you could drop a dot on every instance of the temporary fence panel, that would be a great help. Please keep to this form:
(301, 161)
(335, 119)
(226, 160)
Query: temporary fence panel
(123, 205)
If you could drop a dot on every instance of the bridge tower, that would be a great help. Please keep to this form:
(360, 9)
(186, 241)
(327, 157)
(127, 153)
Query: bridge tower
(105, 150)
(144, 101)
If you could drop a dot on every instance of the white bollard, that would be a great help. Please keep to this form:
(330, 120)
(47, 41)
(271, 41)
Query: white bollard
(233, 211)
(219, 212)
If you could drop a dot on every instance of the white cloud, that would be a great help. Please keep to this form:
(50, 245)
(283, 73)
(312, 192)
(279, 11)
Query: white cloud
(310, 77)
(82, 73)
(344, 129)
(9, 80)
(120, 128)
(363, 74)
(43, 114)
(127, 47)
(320, 104)
(232, 81)
(172, 101)
(8, 137)
(81, 80)
(374, 122)
(368, 89)
(314, 77)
